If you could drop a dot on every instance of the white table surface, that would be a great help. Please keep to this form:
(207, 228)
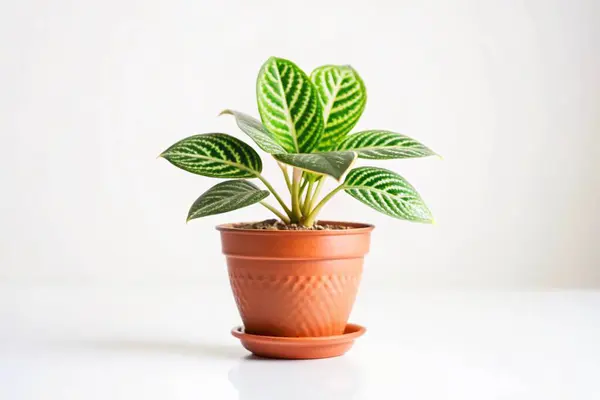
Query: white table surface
(103, 342)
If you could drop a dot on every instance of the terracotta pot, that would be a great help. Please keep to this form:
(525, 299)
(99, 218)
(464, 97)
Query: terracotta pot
(295, 283)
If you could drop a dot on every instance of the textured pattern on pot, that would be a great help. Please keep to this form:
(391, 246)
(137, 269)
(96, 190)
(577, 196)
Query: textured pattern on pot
(295, 283)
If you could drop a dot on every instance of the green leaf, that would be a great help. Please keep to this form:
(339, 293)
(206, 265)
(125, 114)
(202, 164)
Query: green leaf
(383, 145)
(334, 163)
(226, 196)
(343, 97)
(387, 192)
(289, 105)
(215, 155)
(254, 128)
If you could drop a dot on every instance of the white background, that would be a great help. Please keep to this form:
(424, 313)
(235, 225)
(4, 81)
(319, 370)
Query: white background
(105, 292)
(506, 91)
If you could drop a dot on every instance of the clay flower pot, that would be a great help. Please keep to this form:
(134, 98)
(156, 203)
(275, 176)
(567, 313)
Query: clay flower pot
(295, 283)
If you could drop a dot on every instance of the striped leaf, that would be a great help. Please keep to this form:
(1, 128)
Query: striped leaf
(226, 196)
(343, 97)
(215, 155)
(383, 145)
(289, 105)
(255, 129)
(334, 163)
(387, 192)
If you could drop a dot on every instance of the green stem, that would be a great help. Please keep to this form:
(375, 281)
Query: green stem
(307, 199)
(313, 214)
(302, 187)
(276, 212)
(272, 190)
(286, 176)
(315, 195)
(296, 213)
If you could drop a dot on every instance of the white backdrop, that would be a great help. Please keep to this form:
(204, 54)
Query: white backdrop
(507, 91)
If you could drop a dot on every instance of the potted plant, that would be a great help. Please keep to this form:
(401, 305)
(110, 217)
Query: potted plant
(295, 278)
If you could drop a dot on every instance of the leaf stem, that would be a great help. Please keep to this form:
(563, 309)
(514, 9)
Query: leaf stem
(296, 212)
(286, 176)
(316, 193)
(313, 214)
(276, 212)
(302, 187)
(301, 196)
(272, 190)
(307, 199)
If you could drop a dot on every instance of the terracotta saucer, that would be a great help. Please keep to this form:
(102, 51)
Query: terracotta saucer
(299, 348)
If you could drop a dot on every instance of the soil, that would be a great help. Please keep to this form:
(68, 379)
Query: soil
(276, 225)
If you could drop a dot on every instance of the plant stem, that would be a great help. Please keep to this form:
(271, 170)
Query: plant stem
(276, 212)
(286, 176)
(316, 193)
(272, 190)
(296, 213)
(307, 199)
(302, 187)
(313, 214)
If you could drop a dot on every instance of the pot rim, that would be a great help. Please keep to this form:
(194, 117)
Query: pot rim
(355, 228)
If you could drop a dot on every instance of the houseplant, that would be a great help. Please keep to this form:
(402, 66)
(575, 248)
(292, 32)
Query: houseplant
(297, 277)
